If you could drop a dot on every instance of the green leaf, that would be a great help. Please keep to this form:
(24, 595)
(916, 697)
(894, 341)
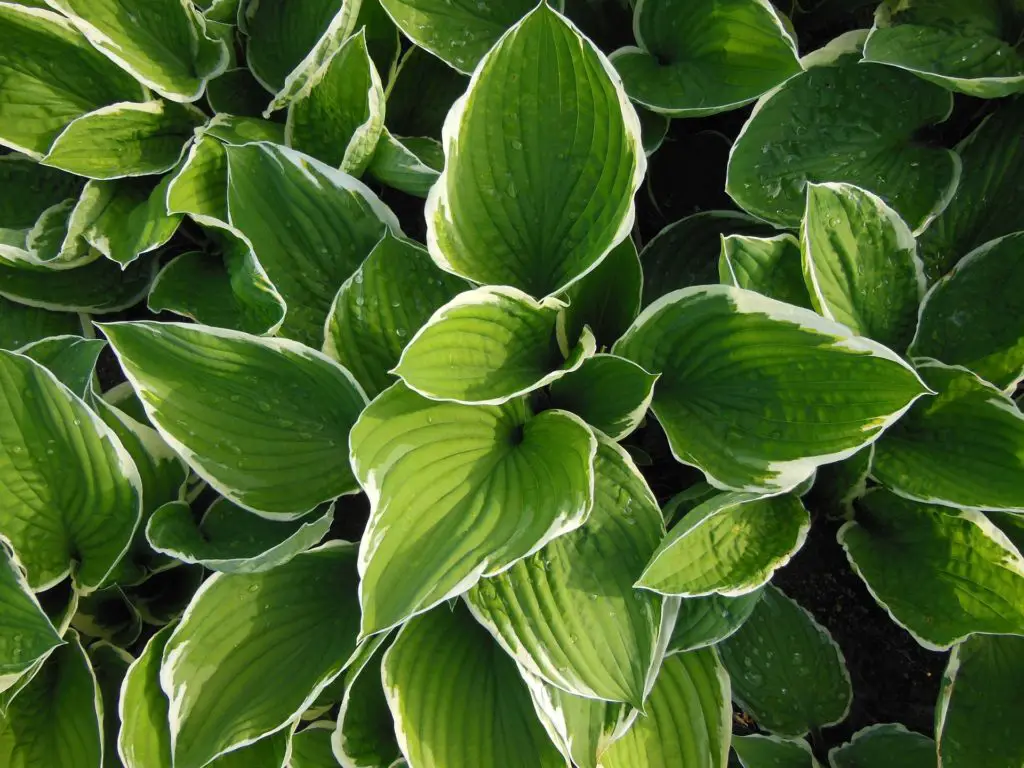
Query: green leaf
(237, 92)
(338, 116)
(748, 391)
(28, 188)
(70, 494)
(164, 595)
(984, 206)
(100, 286)
(231, 539)
(962, 448)
(109, 664)
(569, 613)
(71, 359)
(387, 300)
(610, 393)
(759, 751)
(253, 651)
(606, 299)
(26, 633)
(653, 129)
(786, 670)
(53, 242)
(465, 490)
(459, 33)
(444, 662)
(974, 316)
(980, 688)
(125, 139)
(264, 421)
(860, 263)
(107, 614)
(708, 620)
(541, 207)
(837, 486)
(835, 122)
(421, 94)
(310, 225)
(515, 349)
(688, 718)
(395, 164)
(166, 48)
(227, 289)
(885, 746)
(699, 58)
(365, 735)
(686, 252)
(311, 748)
(730, 544)
(768, 265)
(942, 574)
(972, 47)
(125, 218)
(51, 75)
(57, 719)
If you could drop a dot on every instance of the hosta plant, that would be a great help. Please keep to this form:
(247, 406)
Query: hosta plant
(456, 384)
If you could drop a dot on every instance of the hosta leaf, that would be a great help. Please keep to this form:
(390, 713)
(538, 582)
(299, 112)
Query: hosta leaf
(686, 252)
(125, 218)
(460, 33)
(974, 316)
(28, 188)
(365, 734)
(943, 574)
(699, 58)
(231, 539)
(310, 225)
(164, 595)
(54, 241)
(125, 140)
(444, 662)
(107, 614)
(708, 620)
(963, 448)
(98, 287)
(984, 206)
(423, 90)
(860, 262)
(311, 748)
(237, 407)
(465, 490)
(51, 75)
(338, 116)
(381, 306)
(395, 164)
(57, 718)
(768, 265)
(69, 492)
(254, 650)
(688, 718)
(885, 746)
(166, 48)
(786, 670)
(569, 613)
(610, 393)
(236, 91)
(838, 485)
(967, 47)
(26, 633)
(606, 299)
(538, 182)
(981, 685)
(109, 665)
(514, 350)
(758, 751)
(730, 544)
(757, 393)
(834, 122)
(227, 289)
(383, 40)
(71, 359)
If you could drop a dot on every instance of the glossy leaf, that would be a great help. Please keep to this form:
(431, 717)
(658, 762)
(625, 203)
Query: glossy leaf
(748, 389)
(569, 613)
(730, 544)
(108, 616)
(708, 620)
(942, 574)
(21, 324)
(606, 299)
(767, 265)
(834, 122)
(760, 751)
(465, 490)
(365, 734)
(98, 287)
(786, 670)
(71, 359)
(254, 650)
(422, 92)
(26, 633)
(403, 165)
(526, 211)
(444, 661)
(610, 393)
(311, 748)
(699, 58)
(236, 406)
(974, 317)
(27, 189)
(109, 665)
(860, 262)
(962, 448)
(885, 746)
